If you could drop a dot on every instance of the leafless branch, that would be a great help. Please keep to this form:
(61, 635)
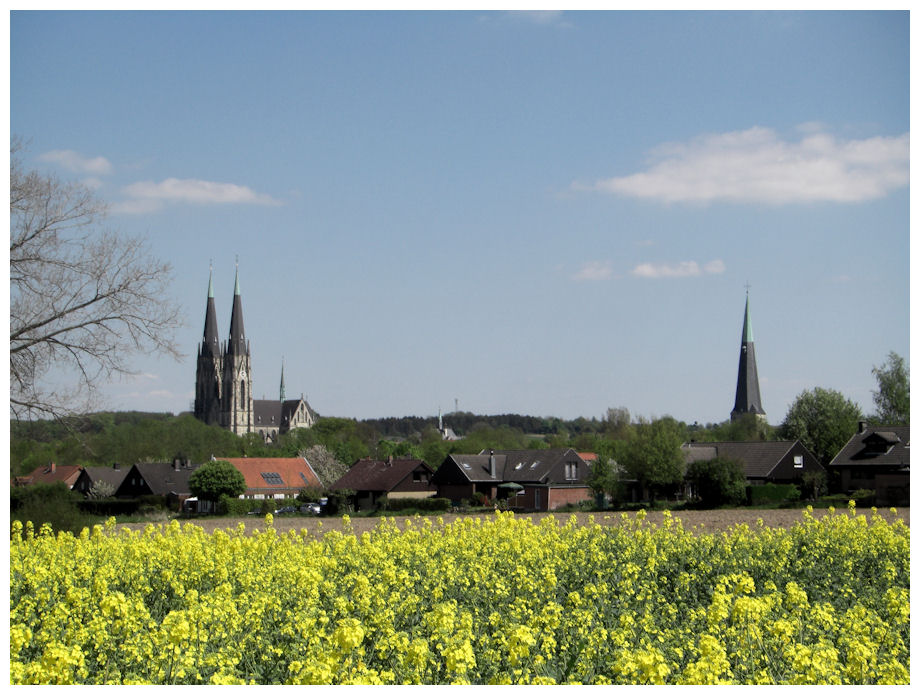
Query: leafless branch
(83, 300)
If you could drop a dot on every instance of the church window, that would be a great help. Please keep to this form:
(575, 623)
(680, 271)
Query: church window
(242, 391)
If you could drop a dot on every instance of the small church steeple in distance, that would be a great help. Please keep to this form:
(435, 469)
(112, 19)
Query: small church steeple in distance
(747, 391)
(282, 379)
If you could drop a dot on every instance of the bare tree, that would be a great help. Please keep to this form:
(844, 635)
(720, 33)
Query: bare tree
(324, 463)
(83, 300)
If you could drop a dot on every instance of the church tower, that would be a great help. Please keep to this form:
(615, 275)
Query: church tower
(747, 392)
(209, 371)
(236, 410)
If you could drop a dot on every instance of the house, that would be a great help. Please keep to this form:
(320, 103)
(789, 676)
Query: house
(89, 476)
(275, 478)
(169, 480)
(52, 473)
(764, 462)
(876, 458)
(540, 479)
(395, 478)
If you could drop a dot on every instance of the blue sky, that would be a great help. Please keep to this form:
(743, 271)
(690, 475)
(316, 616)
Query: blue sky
(541, 213)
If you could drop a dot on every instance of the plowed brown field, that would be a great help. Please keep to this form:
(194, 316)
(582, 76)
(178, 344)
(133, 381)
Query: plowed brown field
(710, 521)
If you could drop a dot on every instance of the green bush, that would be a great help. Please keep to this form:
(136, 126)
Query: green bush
(53, 504)
(234, 506)
(109, 506)
(771, 494)
(717, 482)
(422, 504)
(862, 498)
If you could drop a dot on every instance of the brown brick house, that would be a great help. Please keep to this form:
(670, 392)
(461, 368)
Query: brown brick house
(540, 479)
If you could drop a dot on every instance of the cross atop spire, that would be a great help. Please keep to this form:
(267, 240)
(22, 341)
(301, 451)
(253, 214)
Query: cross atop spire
(210, 343)
(237, 342)
(747, 331)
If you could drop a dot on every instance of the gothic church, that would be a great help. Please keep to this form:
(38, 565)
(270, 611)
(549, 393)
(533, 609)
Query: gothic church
(223, 384)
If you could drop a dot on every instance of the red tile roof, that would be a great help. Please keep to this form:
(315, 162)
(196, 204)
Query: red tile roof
(276, 474)
(51, 473)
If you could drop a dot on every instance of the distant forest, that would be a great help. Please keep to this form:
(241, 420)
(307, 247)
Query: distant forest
(106, 438)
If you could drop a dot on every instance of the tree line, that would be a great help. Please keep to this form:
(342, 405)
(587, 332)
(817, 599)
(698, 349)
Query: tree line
(823, 419)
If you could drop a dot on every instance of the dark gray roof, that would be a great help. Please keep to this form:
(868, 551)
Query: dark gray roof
(367, 474)
(164, 478)
(476, 467)
(759, 458)
(517, 466)
(882, 445)
(274, 413)
(112, 476)
(531, 465)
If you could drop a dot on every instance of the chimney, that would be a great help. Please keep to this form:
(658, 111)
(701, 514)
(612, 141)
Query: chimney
(176, 463)
(53, 466)
(116, 466)
(492, 463)
(390, 460)
(863, 426)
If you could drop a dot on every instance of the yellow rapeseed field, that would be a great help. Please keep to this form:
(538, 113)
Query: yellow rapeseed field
(494, 601)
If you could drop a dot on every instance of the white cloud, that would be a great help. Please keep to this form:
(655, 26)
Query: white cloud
(714, 267)
(74, 161)
(684, 269)
(147, 196)
(538, 16)
(757, 166)
(594, 270)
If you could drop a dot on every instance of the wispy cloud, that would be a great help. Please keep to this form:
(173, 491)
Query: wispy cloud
(594, 270)
(555, 18)
(76, 162)
(683, 269)
(147, 196)
(538, 16)
(758, 166)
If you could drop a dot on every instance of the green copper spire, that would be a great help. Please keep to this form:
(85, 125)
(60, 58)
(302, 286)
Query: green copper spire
(747, 333)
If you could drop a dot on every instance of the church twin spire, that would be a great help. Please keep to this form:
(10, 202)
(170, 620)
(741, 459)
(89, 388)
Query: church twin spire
(223, 391)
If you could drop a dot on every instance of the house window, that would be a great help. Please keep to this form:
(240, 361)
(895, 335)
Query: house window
(571, 471)
(798, 461)
(419, 477)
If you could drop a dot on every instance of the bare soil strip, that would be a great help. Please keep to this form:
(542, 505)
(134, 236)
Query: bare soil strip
(708, 521)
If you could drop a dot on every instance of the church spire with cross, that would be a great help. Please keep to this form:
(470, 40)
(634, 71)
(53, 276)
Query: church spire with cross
(747, 391)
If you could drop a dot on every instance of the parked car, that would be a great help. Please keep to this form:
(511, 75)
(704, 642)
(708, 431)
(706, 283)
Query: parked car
(286, 510)
(310, 508)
